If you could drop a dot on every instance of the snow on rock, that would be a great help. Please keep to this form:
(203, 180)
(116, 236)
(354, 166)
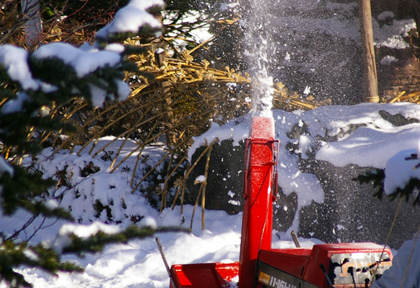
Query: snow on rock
(237, 130)
(358, 147)
(363, 150)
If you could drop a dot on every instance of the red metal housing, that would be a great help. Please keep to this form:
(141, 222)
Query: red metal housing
(258, 195)
(301, 267)
(207, 275)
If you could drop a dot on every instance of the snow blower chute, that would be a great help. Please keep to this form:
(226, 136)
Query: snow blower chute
(341, 265)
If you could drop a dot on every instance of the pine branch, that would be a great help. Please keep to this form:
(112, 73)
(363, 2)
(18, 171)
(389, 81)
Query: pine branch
(13, 255)
(376, 177)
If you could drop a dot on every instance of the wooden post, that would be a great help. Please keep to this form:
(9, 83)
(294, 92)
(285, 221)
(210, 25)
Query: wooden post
(370, 79)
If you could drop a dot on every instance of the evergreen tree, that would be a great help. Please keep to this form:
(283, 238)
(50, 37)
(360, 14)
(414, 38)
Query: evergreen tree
(31, 84)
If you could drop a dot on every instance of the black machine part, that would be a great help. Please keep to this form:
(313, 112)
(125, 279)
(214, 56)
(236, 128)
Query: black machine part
(357, 268)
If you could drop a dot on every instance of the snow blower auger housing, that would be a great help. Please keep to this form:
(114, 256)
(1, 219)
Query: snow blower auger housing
(341, 265)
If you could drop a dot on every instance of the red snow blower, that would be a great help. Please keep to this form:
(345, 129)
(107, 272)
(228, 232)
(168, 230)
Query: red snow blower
(341, 265)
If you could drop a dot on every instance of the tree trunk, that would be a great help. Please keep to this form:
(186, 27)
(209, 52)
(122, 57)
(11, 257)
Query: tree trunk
(370, 79)
(33, 23)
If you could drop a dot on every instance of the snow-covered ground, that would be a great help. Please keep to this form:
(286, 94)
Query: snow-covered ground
(138, 262)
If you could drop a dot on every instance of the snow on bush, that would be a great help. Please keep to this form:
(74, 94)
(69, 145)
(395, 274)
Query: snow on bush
(90, 192)
(15, 61)
(132, 18)
(400, 169)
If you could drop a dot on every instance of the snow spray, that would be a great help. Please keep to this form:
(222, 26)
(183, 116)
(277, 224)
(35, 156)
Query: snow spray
(260, 51)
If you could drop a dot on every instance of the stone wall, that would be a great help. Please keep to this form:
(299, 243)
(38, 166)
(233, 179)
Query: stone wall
(349, 211)
(398, 76)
